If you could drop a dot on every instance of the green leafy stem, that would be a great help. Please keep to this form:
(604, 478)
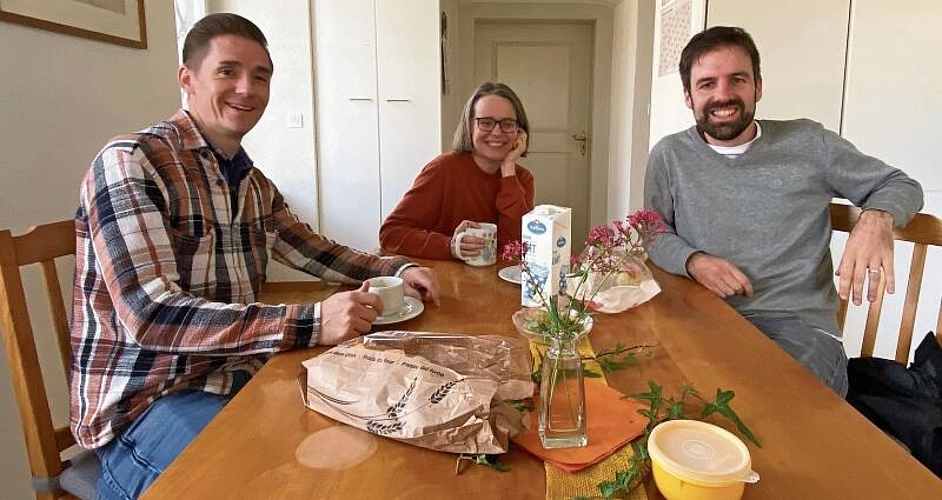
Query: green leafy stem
(611, 360)
(617, 358)
(484, 459)
(661, 408)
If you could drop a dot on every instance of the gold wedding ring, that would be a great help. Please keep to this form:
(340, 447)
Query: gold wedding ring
(875, 271)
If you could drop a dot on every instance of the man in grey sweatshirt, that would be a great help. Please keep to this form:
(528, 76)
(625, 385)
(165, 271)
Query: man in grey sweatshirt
(746, 204)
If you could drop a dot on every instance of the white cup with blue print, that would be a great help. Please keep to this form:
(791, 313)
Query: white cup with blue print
(488, 255)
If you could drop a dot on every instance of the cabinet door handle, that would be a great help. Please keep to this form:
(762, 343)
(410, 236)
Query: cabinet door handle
(398, 100)
(360, 98)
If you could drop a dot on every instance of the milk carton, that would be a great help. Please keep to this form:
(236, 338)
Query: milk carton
(546, 231)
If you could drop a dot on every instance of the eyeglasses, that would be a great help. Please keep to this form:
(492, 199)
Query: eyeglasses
(487, 124)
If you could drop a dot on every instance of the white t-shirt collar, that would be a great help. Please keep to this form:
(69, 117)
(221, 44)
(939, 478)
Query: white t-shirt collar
(733, 152)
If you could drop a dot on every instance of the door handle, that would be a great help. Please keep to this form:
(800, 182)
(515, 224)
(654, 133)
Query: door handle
(583, 139)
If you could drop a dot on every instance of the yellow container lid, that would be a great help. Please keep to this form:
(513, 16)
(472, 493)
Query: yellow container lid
(700, 452)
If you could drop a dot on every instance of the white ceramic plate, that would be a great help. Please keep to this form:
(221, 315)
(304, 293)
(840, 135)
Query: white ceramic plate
(510, 273)
(413, 308)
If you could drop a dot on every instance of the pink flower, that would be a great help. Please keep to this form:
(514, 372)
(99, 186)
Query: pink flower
(601, 236)
(619, 226)
(608, 249)
(647, 222)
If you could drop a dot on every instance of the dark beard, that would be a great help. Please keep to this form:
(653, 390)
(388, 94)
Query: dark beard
(727, 131)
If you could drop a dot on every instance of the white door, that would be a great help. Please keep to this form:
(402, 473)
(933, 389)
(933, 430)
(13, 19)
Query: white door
(549, 65)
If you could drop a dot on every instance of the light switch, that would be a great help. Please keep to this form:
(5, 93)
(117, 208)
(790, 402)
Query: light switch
(295, 120)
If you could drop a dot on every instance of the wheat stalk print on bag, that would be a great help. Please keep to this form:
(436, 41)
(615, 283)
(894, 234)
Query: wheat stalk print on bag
(445, 392)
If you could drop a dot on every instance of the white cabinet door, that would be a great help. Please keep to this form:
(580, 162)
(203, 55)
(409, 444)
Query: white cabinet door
(894, 99)
(802, 45)
(347, 123)
(409, 83)
(378, 108)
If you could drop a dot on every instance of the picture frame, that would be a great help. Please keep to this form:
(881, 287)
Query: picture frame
(677, 22)
(120, 22)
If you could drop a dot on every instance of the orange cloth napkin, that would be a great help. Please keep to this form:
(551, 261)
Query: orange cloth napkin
(612, 422)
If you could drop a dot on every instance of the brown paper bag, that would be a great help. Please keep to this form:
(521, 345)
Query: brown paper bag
(440, 391)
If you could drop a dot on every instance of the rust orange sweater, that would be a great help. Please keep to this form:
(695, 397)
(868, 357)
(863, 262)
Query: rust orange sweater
(450, 189)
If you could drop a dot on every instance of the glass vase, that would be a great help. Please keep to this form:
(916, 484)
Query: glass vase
(562, 397)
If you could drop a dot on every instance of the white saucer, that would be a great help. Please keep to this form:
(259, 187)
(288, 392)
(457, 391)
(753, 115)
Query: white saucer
(510, 273)
(413, 308)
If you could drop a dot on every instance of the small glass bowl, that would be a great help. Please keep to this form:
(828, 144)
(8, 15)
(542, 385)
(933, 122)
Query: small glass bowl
(528, 315)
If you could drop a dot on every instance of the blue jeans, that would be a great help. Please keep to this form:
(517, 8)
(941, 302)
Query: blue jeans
(134, 459)
(819, 351)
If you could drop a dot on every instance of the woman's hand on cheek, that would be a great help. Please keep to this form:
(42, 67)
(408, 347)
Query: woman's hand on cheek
(507, 166)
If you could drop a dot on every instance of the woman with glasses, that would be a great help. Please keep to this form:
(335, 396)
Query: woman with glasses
(479, 181)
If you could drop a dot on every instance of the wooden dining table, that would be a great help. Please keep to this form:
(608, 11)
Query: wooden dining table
(266, 444)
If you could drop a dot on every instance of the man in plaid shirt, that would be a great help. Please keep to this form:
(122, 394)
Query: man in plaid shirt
(174, 232)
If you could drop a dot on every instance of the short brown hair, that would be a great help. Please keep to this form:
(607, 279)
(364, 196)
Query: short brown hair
(206, 29)
(715, 38)
(462, 141)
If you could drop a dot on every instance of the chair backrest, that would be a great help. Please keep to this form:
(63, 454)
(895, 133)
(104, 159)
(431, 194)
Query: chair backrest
(923, 230)
(40, 245)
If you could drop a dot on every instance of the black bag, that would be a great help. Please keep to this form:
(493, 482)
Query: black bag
(905, 402)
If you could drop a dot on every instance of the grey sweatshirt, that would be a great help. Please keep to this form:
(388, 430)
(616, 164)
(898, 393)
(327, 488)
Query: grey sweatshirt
(767, 210)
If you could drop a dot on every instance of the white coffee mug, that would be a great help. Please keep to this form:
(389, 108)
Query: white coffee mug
(389, 290)
(488, 254)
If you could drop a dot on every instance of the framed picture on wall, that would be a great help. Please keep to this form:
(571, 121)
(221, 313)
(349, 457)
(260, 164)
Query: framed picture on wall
(114, 21)
(678, 21)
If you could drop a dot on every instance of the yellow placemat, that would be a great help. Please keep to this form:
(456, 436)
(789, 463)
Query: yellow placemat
(562, 485)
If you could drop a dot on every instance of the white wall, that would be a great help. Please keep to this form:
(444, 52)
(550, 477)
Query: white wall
(285, 152)
(61, 98)
(632, 49)
(813, 46)
(802, 55)
(452, 98)
(669, 114)
(622, 105)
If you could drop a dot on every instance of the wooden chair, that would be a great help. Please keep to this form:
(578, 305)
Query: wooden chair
(53, 477)
(923, 230)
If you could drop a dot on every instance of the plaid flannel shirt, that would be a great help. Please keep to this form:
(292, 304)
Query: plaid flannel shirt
(167, 274)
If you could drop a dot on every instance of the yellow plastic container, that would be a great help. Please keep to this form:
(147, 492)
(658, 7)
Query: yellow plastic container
(694, 460)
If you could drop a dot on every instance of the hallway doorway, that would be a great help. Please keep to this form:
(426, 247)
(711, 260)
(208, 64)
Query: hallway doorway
(549, 65)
